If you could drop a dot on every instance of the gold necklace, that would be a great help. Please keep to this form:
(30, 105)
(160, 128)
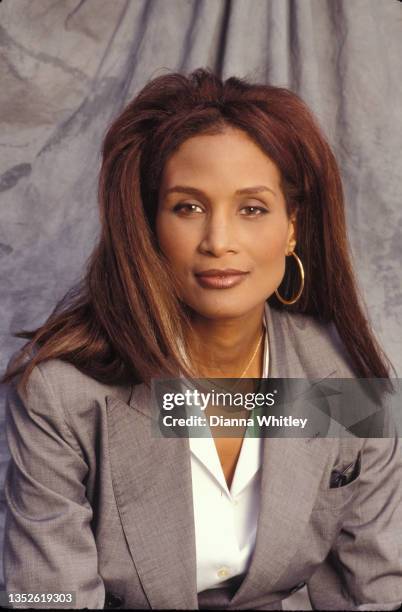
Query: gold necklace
(252, 358)
(245, 369)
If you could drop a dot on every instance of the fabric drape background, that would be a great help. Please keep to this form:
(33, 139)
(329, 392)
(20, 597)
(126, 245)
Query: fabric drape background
(68, 67)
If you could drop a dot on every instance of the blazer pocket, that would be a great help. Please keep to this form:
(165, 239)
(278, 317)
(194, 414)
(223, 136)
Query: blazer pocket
(345, 475)
(339, 492)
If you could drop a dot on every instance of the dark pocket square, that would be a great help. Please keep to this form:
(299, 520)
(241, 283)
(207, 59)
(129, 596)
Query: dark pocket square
(345, 475)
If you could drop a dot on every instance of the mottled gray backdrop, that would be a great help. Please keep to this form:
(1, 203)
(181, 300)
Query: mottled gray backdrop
(69, 66)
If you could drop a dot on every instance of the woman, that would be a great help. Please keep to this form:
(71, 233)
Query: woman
(209, 191)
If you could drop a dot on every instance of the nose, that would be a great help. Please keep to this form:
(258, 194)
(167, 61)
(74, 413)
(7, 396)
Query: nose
(218, 236)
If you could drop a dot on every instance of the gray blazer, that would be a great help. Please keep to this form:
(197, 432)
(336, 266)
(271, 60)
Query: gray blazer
(98, 505)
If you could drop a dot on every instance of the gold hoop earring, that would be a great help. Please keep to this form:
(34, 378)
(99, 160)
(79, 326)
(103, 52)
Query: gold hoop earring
(294, 300)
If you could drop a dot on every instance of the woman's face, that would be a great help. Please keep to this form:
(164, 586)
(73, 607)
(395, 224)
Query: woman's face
(221, 208)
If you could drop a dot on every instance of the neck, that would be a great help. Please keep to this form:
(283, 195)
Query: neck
(222, 348)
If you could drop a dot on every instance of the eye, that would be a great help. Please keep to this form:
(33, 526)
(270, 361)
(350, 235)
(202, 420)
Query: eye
(254, 211)
(187, 208)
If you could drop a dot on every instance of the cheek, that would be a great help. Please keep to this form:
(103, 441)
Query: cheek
(268, 254)
(270, 246)
(176, 245)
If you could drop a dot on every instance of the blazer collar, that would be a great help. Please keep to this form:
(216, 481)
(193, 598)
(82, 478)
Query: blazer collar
(152, 483)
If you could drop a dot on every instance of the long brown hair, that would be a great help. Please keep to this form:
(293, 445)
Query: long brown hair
(125, 321)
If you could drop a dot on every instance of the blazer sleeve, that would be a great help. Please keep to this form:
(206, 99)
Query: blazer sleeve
(49, 545)
(364, 568)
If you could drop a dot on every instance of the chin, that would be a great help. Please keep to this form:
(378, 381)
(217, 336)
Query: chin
(221, 311)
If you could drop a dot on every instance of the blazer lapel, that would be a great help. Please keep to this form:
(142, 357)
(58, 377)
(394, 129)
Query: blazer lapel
(152, 485)
(291, 468)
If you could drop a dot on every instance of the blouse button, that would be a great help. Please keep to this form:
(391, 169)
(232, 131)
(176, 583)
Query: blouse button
(223, 572)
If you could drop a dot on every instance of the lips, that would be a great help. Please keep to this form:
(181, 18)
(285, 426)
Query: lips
(220, 279)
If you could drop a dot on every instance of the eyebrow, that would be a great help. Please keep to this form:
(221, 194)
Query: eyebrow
(199, 192)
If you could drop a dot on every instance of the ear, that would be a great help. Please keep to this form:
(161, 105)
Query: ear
(292, 233)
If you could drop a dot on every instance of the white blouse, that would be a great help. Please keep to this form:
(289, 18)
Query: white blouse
(225, 520)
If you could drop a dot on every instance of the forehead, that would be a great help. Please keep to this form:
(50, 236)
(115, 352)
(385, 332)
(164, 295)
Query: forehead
(229, 157)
